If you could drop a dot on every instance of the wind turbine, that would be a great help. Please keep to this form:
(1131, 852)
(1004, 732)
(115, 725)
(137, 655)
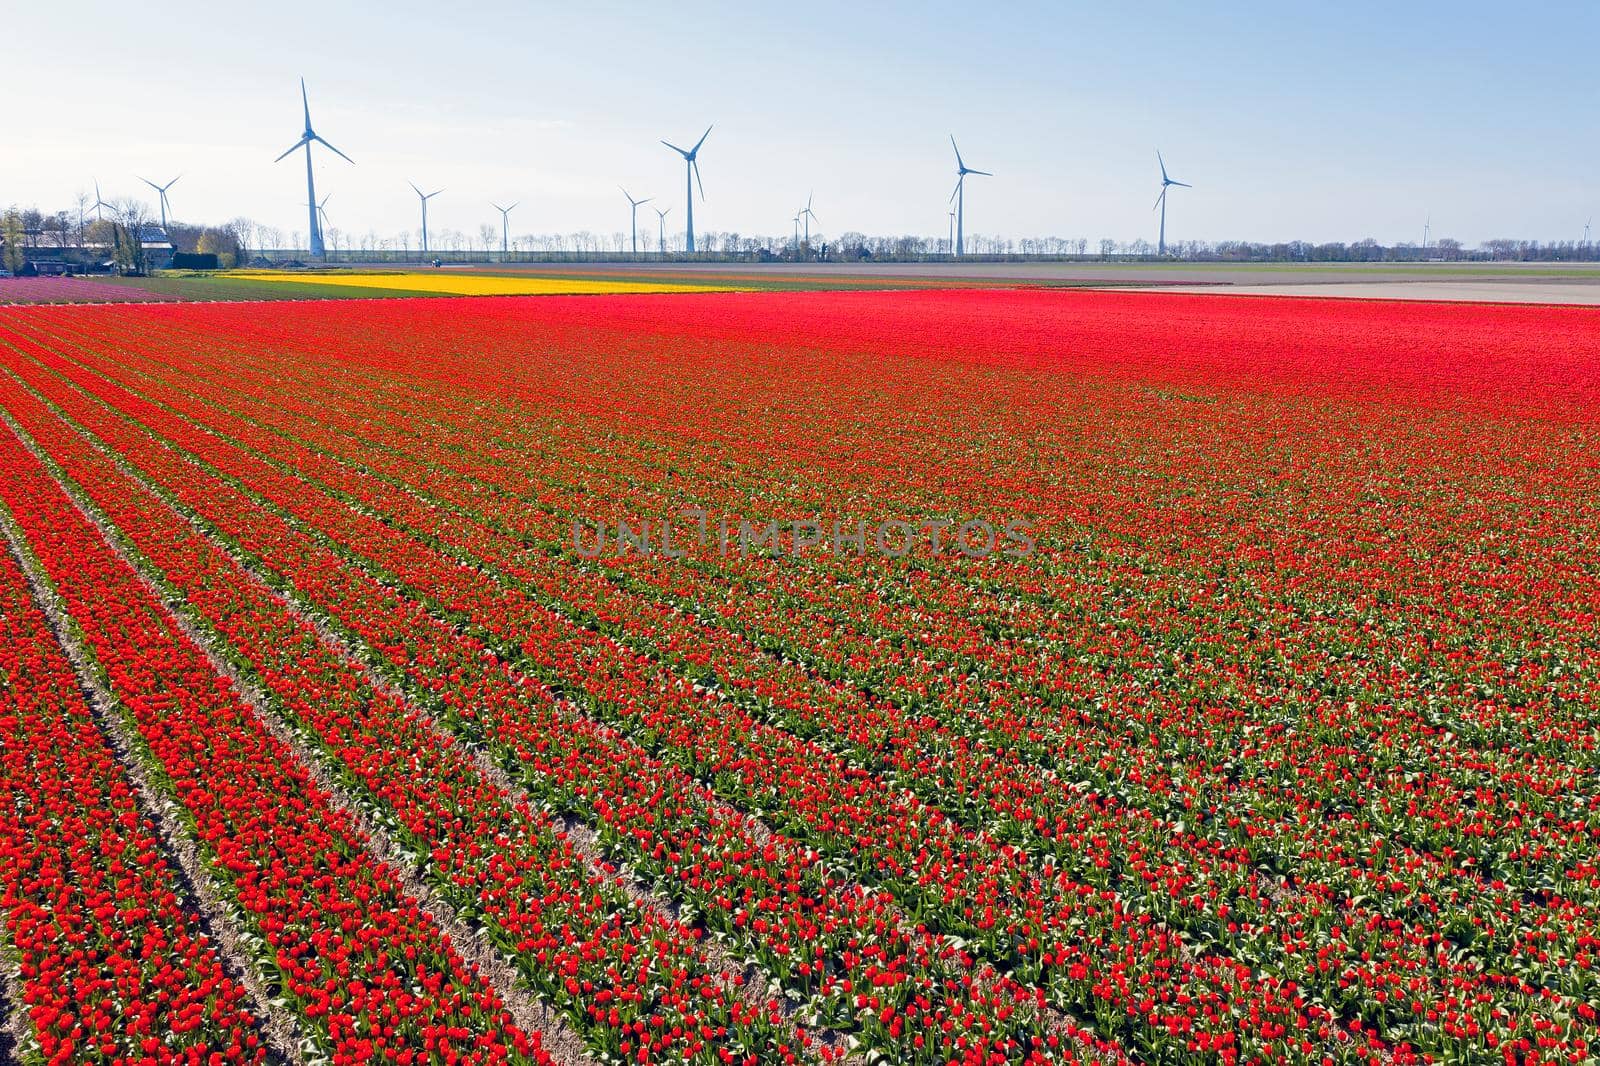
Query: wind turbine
(797, 233)
(425, 197)
(1161, 202)
(691, 169)
(305, 140)
(505, 227)
(661, 236)
(952, 241)
(808, 215)
(98, 202)
(634, 206)
(1586, 226)
(322, 214)
(1425, 225)
(162, 191)
(959, 196)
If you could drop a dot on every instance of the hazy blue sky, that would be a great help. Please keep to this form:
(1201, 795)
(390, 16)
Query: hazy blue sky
(1320, 121)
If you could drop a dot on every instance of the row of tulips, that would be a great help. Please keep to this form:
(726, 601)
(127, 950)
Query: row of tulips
(621, 972)
(1031, 922)
(739, 667)
(855, 959)
(1565, 839)
(1033, 622)
(332, 932)
(1540, 774)
(1472, 761)
(113, 962)
(1572, 838)
(1352, 980)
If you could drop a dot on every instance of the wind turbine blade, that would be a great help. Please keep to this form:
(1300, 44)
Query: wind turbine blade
(292, 149)
(702, 140)
(675, 148)
(959, 164)
(695, 165)
(1162, 163)
(414, 187)
(647, 199)
(513, 207)
(496, 206)
(809, 197)
(306, 103)
(1181, 184)
(1159, 198)
(955, 190)
(150, 183)
(332, 149)
(985, 173)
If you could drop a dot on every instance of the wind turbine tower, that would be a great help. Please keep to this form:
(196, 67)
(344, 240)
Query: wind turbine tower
(306, 138)
(808, 215)
(691, 170)
(99, 202)
(322, 214)
(661, 234)
(633, 206)
(424, 197)
(505, 228)
(959, 196)
(161, 191)
(1426, 224)
(1161, 202)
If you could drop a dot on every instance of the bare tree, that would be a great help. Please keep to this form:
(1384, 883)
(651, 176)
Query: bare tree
(81, 202)
(132, 217)
(244, 235)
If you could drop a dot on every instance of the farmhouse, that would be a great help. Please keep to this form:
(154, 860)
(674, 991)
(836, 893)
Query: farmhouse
(52, 251)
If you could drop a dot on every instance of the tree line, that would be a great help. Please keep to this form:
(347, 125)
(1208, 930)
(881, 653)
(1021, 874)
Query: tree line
(116, 235)
(76, 235)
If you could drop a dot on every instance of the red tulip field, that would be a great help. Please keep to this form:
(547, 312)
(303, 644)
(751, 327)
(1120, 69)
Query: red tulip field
(936, 676)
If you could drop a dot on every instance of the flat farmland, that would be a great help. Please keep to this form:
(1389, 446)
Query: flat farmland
(74, 290)
(1508, 282)
(984, 675)
(1555, 283)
